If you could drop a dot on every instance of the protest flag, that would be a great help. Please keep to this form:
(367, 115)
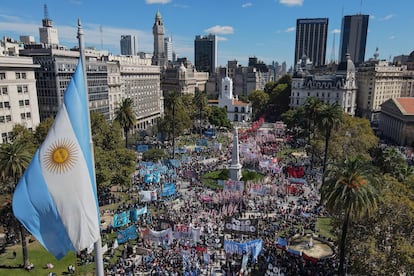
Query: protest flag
(56, 197)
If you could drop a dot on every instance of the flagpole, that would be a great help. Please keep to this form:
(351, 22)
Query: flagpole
(97, 245)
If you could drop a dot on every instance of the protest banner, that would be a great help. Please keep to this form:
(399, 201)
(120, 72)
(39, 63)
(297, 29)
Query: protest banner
(126, 234)
(253, 248)
(241, 226)
(147, 196)
(134, 213)
(121, 219)
(160, 237)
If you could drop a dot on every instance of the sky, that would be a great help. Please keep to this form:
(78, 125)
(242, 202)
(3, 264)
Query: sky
(245, 28)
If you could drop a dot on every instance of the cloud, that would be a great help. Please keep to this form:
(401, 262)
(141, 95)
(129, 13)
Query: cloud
(387, 17)
(336, 31)
(10, 18)
(221, 38)
(290, 29)
(157, 1)
(248, 4)
(19, 28)
(181, 6)
(391, 37)
(291, 3)
(220, 30)
(372, 17)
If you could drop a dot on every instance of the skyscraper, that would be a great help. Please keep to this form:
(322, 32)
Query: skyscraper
(205, 53)
(354, 37)
(159, 58)
(168, 48)
(311, 38)
(128, 45)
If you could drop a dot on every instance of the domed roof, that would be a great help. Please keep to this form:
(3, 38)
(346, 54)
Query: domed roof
(346, 65)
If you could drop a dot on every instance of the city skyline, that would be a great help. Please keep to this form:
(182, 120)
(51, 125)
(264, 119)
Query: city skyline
(250, 28)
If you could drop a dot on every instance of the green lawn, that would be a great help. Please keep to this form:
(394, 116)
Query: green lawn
(39, 257)
(325, 229)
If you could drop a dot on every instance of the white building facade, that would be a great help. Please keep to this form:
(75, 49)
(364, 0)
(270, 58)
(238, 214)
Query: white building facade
(135, 78)
(18, 95)
(237, 111)
(379, 81)
(337, 88)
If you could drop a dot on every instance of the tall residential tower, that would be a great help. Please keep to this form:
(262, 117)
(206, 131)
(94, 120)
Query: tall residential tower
(311, 38)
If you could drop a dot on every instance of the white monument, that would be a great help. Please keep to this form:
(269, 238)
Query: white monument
(235, 167)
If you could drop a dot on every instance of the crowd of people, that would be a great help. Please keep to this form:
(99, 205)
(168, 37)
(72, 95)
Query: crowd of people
(278, 210)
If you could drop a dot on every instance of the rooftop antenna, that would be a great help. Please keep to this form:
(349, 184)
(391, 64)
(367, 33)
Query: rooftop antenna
(45, 12)
(101, 32)
(333, 59)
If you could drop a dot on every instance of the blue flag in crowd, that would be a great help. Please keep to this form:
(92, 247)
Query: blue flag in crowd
(127, 234)
(56, 197)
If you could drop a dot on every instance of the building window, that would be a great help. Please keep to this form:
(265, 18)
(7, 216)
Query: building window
(23, 116)
(28, 115)
(2, 119)
(2, 76)
(20, 75)
(26, 102)
(4, 90)
(21, 103)
(7, 104)
(4, 137)
(236, 109)
(8, 118)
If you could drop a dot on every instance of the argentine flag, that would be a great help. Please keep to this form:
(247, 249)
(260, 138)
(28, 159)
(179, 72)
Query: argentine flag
(56, 197)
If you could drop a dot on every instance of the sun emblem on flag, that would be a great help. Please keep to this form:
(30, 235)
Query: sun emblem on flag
(61, 156)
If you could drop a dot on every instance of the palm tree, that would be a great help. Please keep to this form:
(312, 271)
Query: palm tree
(312, 108)
(173, 102)
(331, 117)
(312, 111)
(201, 102)
(350, 191)
(14, 159)
(125, 115)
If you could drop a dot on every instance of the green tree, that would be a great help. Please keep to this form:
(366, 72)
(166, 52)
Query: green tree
(14, 159)
(259, 100)
(173, 102)
(22, 134)
(279, 93)
(353, 137)
(114, 164)
(154, 155)
(42, 129)
(203, 111)
(350, 191)
(296, 119)
(384, 244)
(330, 118)
(219, 117)
(125, 115)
